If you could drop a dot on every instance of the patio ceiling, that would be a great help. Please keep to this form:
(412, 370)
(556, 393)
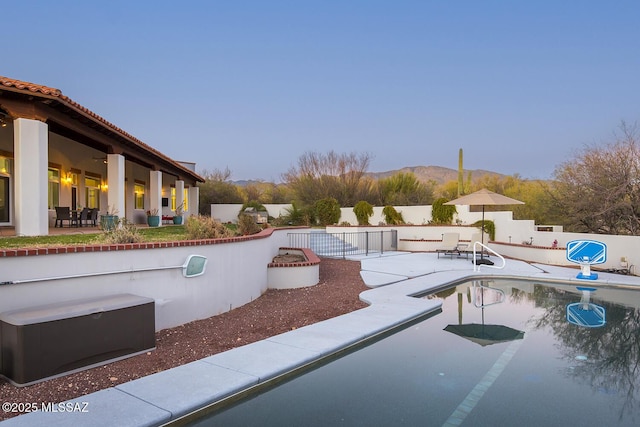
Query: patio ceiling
(67, 118)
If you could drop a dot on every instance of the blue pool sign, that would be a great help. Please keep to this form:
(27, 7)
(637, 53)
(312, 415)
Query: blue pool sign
(586, 253)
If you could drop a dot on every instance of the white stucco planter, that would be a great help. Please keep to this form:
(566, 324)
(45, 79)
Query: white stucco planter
(293, 275)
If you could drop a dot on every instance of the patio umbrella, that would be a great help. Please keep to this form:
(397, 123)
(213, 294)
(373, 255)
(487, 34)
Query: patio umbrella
(481, 333)
(484, 198)
(485, 334)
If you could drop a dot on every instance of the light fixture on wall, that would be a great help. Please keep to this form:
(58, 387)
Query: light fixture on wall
(67, 178)
(104, 187)
(101, 159)
(4, 118)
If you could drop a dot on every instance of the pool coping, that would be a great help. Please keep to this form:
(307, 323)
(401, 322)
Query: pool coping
(166, 396)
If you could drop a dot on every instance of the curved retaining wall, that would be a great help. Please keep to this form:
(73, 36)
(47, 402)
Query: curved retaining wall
(236, 273)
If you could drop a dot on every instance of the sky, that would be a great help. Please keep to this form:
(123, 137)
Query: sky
(520, 86)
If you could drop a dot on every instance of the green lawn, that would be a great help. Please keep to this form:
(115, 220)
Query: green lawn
(155, 234)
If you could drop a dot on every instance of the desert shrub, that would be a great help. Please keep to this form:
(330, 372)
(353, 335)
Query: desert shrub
(441, 213)
(247, 225)
(259, 207)
(294, 215)
(279, 222)
(123, 232)
(363, 211)
(309, 215)
(327, 211)
(392, 216)
(489, 227)
(204, 227)
(345, 224)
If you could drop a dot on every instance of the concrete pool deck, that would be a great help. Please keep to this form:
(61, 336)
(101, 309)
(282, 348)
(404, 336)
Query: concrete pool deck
(393, 277)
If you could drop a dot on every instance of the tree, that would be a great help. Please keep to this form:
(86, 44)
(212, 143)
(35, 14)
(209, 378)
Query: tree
(448, 190)
(539, 203)
(599, 190)
(278, 193)
(318, 176)
(460, 174)
(266, 192)
(253, 192)
(404, 189)
(216, 189)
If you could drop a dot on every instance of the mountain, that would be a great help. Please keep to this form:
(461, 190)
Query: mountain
(438, 174)
(245, 182)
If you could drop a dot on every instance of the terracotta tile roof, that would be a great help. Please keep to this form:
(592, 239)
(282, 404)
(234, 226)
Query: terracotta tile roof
(31, 87)
(57, 93)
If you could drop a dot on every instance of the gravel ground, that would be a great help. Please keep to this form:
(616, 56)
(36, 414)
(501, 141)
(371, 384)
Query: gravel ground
(275, 312)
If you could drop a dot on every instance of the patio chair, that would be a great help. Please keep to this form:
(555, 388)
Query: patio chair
(84, 217)
(93, 217)
(63, 213)
(477, 237)
(449, 245)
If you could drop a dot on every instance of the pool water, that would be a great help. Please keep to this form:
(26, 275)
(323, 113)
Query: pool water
(536, 368)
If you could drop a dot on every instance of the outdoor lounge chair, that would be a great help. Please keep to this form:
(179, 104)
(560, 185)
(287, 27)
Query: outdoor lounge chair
(477, 237)
(449, 244)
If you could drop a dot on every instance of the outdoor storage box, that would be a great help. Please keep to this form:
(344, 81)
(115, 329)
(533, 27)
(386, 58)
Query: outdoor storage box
(51, 340)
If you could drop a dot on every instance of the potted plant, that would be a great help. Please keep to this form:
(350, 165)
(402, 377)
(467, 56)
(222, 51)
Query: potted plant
(109, 220)
(153, 219)
(177, 218)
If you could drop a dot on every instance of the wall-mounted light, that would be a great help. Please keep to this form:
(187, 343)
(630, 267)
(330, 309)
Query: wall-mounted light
(104, 187)
(67, 178)
(4, 119)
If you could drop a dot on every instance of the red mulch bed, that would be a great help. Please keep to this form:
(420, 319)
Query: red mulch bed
(275, 312)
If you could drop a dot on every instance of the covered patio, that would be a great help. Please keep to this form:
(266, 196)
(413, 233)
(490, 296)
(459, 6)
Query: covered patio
(55, 152)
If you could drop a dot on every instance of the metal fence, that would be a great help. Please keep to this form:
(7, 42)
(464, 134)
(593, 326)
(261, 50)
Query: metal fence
(347, 243)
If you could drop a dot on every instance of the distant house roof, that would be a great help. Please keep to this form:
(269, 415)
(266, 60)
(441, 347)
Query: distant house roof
(53, 99)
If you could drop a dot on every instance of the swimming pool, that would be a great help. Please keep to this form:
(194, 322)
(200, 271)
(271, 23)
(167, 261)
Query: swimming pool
(540, 366)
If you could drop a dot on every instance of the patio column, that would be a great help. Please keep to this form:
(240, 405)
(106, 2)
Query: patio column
(31, 152)
(194, 200)
(155, 192)
(115, 183)
(179, 193)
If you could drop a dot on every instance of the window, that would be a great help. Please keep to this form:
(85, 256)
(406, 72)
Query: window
(138, 191)
(185, 199)
(92, 190)
(5, 165)
(185, 204)
(54, 188)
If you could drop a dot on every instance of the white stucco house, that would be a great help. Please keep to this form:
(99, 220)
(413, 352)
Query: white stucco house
(55, 152)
